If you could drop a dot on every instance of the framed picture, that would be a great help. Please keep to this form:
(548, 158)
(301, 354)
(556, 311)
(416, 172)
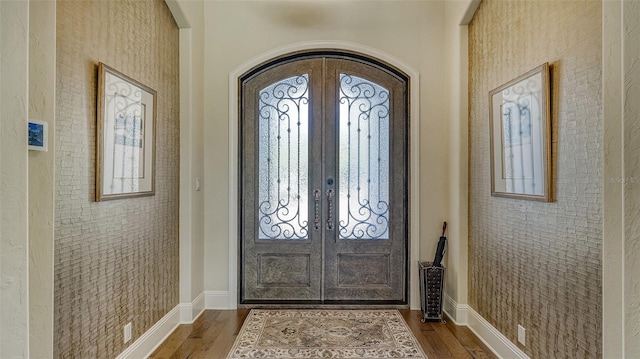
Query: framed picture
(125, 136)
(38, 135)
(520, 132)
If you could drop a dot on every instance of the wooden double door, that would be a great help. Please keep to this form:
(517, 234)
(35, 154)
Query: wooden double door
(324, 181)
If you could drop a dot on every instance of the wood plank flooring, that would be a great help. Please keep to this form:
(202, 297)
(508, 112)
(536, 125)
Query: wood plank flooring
(212, 335)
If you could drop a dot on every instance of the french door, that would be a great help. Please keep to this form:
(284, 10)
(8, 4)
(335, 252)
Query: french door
(324, 181)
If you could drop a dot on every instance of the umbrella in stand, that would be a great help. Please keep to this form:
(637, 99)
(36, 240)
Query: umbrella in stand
(442, 244)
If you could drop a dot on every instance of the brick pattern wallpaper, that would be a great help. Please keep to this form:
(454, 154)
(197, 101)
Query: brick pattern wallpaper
(115, 261)
(532, 263)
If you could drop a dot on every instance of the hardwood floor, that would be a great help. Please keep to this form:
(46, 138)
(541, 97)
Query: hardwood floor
(212, 335)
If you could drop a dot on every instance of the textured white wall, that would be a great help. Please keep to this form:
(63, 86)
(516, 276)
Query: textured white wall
(42, 87)
(14, 281)
(408, 30)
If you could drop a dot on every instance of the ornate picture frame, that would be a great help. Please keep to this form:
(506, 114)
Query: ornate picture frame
(125, 136)
(520, 137)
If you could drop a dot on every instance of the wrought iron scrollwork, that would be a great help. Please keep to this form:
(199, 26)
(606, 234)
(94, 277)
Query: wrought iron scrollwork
(364, 161)
(283, 170)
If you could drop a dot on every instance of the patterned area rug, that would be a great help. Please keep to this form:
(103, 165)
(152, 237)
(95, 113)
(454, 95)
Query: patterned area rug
(286, 334)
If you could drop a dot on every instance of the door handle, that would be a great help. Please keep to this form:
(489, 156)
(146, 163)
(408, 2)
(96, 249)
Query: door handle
(330, 209)
(316, 221)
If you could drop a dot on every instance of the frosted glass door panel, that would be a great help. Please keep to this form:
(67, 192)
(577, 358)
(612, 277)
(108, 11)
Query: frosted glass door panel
(363, 159)
(283, 184)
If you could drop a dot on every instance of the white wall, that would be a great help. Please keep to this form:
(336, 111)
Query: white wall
(632, 173)
(14, 272)
(631, 35)
(458, 13)
(190, 20)
(621, 244)
(42, 87)
(408, 30)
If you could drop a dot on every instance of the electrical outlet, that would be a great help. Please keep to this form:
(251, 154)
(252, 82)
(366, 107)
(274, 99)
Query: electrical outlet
(521, 334)
(127, 332)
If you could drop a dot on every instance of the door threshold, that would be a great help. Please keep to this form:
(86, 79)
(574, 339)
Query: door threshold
(326, 304)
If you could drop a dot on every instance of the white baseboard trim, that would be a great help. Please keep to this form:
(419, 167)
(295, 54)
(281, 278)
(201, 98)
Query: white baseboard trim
(183, 313)
(148, 342)
(456, 312)
(186, 313)
(189, 312)
(462, 314)
(501, 345)
(216, 299)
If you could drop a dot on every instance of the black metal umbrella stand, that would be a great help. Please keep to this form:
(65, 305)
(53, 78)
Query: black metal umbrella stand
(431, 276)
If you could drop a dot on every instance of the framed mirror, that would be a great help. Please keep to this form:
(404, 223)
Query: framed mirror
(520, 136)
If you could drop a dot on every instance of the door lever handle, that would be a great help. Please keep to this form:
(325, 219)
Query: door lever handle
(316, 221)
(330, 209)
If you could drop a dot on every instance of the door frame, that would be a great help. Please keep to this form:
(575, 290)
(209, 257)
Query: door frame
(414, 155)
